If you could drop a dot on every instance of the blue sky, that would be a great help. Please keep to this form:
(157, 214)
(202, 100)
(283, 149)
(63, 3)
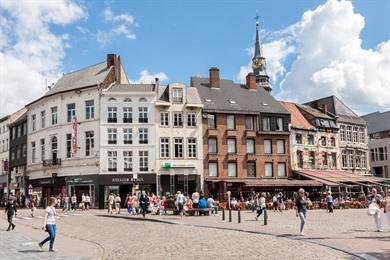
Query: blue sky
(185, 38)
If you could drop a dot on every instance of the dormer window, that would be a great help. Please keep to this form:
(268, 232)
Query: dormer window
(142, 99)
(232, 102)
(127, 100)
(207, 100)
(111, 99)
(177, 95)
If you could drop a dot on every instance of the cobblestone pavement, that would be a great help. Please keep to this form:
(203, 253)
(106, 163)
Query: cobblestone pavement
(97, 235)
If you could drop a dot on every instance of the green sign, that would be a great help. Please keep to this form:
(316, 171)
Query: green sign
(167, 165)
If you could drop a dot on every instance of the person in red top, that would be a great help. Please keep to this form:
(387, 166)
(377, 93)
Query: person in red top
(164, 205)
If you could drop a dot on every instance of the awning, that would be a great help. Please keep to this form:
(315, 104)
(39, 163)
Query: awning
(282, 183)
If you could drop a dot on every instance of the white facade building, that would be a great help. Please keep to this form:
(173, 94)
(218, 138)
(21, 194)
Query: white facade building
(128, 139)
(179, 139)
(4, 156)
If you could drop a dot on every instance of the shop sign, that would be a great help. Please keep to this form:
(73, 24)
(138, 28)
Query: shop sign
(139, 179)
(77, 180)
(30, 189)
(121, 180)
(167, 165)
(74, 135)
(46, 181)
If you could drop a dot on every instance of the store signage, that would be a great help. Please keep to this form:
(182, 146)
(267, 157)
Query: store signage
(46, 181)
(74, 135)
(127, 180)
(169, 165)
(78, 180)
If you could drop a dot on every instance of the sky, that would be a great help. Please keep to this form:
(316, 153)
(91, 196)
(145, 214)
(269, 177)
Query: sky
(313, 48)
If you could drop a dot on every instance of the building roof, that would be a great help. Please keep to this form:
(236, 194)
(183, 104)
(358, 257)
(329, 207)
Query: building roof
(231, 97)
(314, 112)
(17, 116)
(192, 95)
(85, 77)
(297, 118)
(132, 88)
(377, 122)
(338, 108)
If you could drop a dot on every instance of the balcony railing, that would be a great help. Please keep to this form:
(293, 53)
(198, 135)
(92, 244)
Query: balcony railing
(51, 162)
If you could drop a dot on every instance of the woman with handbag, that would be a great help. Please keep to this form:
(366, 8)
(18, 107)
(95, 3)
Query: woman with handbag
(374, 207)
(49, 223)
(387, 205)
(301, 206)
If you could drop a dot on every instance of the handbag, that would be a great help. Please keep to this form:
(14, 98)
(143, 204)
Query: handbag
(372, 209)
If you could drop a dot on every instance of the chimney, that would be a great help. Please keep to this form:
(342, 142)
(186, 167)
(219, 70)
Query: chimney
(251, 81)
(157, 82)
(214, 77)
(118, 69)
(325, 108)
(111, 59)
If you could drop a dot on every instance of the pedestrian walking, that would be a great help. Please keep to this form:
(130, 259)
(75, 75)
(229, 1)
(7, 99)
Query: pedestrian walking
(83, 201)
(275, 203)
(59, 201)
(387, 205)
(329, 202)
(33, 204)
(111, 200)
(180, 200)
(211, 204)
(261, 207)
(66, 203)
(375, 200)
(87, 202)
(118, 204)
(143, 203)
(195, 199)
(301, 206)
(49, 224)
(74, 202)
(10, 210)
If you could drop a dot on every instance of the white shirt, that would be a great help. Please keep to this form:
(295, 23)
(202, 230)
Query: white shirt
(117, 199)
(87, 199)
(51, 212)
(74, 199)
(195, 197)
(210, 203)
(111, 199)
(83, 198)
(180, 198)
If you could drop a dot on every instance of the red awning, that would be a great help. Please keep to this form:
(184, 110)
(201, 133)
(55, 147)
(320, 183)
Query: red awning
(282, 183)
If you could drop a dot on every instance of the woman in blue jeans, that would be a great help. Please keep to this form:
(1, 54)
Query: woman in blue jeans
(300, 204)
(49, 223)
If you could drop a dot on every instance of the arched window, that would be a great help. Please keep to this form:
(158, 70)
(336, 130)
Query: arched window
(112, 99)
(143, 99)
(127, 100)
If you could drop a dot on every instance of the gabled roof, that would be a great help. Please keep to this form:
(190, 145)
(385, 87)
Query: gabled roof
(338, 108)
(132, 88)
(314, 112)
(192, 95)
(297, 118)
(377, 122)
(231, 97)
(85, 77)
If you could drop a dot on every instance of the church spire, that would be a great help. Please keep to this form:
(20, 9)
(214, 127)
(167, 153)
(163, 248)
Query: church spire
(259, 63)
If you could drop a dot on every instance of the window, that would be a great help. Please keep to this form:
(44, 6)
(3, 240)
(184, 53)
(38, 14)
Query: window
(280, 147)
(142, 100)
(266, 124)
(142, 115)
(127, 135)
(178, 147)
(24, 150)
(381, 154)
(344, 160)
(13, 154)
(213, 145)
(250, 146)
(249, 123)
(342, 133)
(279, 124)
(143, 135)
(191, 142)
(127, 115)
(33, 150)
(333, 141)
(164, 147)
(364, 160)
(54, 149)
(177, 119)
(213, 169)
(112, 114)
(349, 133)
(191, 119)
(89, 109)
(211, 121)
(300, 159)
(323, 140)
(68, 145)
(231, 122)
(24, 128)
(89, 143)
(312, 159)
(268, 172)
(177, 95)
(164, 119)
(325, 159)
(127, 100)
(33, 125)
(111, 99)
(128, 161)
(18, 151)
(143, 161)
(372, 155)
(231, 145)
(282, 169)
(112, 161)
(54, 115)
(71, 111)
(298, 138)
(232, 169)
(19, 130)
(334, 160)
(351, 159)
(251, 169)
(267, 146)
(43, 149)
(111, 135)
(355, 134)
(43, 120)
(362, 137)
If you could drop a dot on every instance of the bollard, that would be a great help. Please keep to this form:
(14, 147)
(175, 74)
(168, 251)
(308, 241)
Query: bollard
(265, 217)
(239, 215)
(223, 214)
(230, 215)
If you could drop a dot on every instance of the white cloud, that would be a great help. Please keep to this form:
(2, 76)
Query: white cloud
(147, 78)
(276, 53)
(29, 51)
(121, 27)
(331, 61)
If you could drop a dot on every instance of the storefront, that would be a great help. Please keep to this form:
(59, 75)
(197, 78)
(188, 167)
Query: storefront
(44, 188)
(79, 185)
(3, 189)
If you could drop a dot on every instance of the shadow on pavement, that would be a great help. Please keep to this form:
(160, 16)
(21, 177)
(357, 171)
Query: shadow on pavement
(138, 219)
(31, 251)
